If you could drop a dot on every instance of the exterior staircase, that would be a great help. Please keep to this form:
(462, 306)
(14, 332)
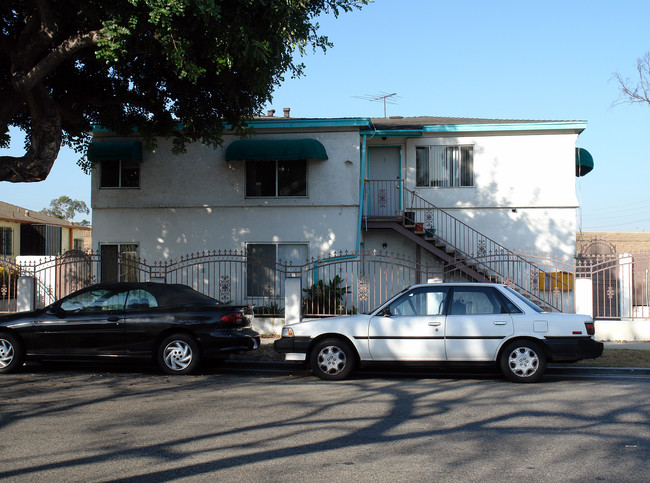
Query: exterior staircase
(463, 250)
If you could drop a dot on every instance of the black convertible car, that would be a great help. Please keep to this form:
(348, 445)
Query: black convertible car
(173, 324)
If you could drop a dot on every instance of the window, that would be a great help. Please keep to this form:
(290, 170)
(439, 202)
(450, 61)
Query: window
(40, 240)
(479, 301)
(444, 166)
(5, 241)
(95, 301)
(78, 244)
(261, 278)
(119, 174)
(119, 262)
(420, 301)
(140, 300)
(276, 178)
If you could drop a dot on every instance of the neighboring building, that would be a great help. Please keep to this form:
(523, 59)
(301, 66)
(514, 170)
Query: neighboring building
(302, 187)
(594, 243)
(25, 232)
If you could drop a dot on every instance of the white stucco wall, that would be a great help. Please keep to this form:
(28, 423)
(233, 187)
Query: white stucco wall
(524, 193)
(168, 233)
(196, 201)
(523, 196)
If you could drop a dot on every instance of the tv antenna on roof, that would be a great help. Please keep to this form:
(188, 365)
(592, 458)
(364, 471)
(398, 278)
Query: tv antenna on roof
(381, 97)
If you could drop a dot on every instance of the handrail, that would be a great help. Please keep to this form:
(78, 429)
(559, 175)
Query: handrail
(471, 247)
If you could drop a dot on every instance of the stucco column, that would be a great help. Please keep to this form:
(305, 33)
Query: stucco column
(625, 283)
(292, 300)
(25, 294)
(584, 295)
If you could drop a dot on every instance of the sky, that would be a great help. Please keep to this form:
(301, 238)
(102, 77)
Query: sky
(524, 59)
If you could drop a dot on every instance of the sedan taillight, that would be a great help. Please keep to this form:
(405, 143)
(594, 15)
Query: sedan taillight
(232, 317)
(591, 328)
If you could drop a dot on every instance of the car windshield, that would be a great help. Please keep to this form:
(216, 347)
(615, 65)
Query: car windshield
(523, 299)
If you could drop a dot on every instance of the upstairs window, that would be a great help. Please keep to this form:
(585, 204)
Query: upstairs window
(276, 178)
(119, 174)
(118, 161)
(444, 166)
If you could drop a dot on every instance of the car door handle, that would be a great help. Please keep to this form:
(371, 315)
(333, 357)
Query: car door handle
(434, 324)
(500, 322)
(113, 319)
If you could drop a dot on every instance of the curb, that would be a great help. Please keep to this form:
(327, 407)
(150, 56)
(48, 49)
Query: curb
(550, 370)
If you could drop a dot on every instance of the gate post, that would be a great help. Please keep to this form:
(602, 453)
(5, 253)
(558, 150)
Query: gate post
(626, 284)
(584, 294)
(292, 300)
(25, 294)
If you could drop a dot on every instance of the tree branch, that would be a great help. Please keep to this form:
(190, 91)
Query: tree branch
(61, 53)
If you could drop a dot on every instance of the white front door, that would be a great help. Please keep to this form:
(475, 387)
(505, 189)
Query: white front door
(383, 187)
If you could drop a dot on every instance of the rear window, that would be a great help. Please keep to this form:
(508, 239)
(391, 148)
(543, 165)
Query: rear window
(523, 299)
(175, 295)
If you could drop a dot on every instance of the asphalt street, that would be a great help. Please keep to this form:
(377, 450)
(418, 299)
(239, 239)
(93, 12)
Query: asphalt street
(268, 422)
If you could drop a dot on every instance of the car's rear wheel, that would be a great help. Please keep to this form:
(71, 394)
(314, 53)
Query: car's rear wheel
(12, 353)
(332, 359)
(523, 361)
(178, 354)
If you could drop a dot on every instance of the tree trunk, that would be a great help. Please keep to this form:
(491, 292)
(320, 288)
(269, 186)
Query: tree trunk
(46, 133)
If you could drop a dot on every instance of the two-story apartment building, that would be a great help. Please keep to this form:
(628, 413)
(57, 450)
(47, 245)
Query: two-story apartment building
(302, 187)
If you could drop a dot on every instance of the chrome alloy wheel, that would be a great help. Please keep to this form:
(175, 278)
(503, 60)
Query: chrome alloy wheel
(331, 360)
(178, 355)
(7, 353)
(523, 361)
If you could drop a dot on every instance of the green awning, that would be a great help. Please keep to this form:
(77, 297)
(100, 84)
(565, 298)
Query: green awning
(584, 162)
(115, 151)
(275, 149)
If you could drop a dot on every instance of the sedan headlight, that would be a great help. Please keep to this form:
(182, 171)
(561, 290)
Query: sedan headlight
(287, 332)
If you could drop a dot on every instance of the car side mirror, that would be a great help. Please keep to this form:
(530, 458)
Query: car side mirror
(385, 312)
(56, 310)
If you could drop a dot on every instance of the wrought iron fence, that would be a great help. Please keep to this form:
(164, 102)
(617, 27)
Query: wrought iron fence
(9, 274)
(471, 255)
(620, 284)
(333, 284)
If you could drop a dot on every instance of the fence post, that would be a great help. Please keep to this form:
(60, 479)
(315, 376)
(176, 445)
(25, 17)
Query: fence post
(584, 294)
(626, 283)
(292, 300)
(25, 294)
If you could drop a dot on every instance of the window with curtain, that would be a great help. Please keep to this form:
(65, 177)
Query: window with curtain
(444, 166)
(119, 262)
(261, 277)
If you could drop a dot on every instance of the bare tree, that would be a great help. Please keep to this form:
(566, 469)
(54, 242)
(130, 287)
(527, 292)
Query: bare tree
(639, 93)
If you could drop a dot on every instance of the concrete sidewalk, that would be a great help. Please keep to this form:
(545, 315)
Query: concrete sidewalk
(628, 345)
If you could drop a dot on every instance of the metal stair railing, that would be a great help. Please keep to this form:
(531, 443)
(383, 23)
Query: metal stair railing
(485, 255)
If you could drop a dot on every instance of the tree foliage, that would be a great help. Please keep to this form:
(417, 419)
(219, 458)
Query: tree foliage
(637, 91)
(145, 64)
(66, 208)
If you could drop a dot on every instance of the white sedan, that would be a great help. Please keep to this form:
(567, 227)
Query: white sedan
(445, 323)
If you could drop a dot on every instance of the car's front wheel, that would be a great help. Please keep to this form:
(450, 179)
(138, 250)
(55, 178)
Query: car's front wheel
(178, 354)
(523, 361)
(332, 359)
(12, 353)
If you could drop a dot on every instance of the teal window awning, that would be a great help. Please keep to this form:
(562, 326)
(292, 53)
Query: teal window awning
(115, 151)
(275, 150)
(584, 162)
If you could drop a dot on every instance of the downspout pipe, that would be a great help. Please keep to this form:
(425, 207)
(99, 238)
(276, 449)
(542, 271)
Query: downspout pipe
(362, 187)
